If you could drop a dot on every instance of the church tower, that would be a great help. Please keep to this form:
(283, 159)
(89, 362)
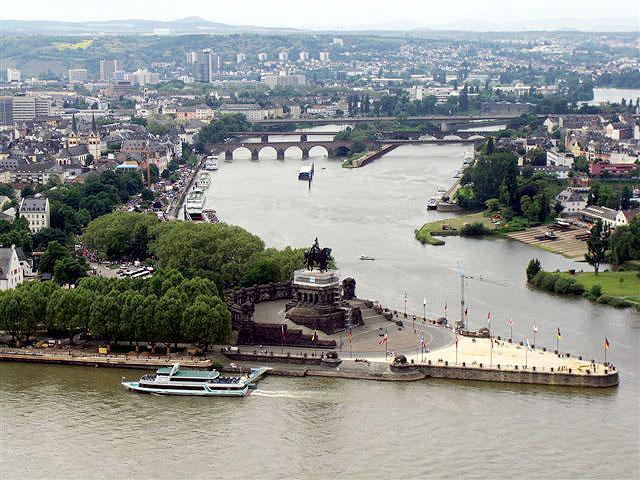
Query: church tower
(73, 139)
(93, 140)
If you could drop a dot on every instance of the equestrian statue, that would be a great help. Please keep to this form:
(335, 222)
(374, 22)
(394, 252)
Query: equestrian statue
(317, 256)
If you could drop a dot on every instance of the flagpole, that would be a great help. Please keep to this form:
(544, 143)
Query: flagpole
(605, 353)
(511, 333)
(534, 338)
(386, 344)
(491, 353)
(526, 355)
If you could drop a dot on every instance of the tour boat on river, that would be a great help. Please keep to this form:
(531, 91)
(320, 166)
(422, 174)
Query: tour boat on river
(204, 383)
(204, 180)
(211, 162)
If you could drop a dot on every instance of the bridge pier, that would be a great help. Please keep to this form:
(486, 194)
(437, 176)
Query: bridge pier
(305, 153)
(444, 126)
(280, 154)
(254, 154)
(228, 155)
(303, 137)
(264, 138)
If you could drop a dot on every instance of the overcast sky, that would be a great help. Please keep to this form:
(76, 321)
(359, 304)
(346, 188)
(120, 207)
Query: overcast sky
(322, 13)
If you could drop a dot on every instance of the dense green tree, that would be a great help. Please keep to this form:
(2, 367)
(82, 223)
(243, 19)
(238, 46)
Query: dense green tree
(625, 242)
(68, 270)
(54, 252)
(533, 268)
(597, 245)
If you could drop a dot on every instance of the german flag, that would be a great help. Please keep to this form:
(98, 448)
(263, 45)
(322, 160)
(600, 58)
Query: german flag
(350, 337)
(606, 343)
(559, 336)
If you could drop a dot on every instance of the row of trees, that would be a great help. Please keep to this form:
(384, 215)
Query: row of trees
(225, 254)
(166, 309)
(493, 182)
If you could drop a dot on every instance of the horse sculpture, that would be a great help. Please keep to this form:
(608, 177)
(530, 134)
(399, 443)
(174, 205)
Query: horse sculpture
(317, 256)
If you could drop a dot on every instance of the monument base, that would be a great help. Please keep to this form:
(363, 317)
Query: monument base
(317, 301)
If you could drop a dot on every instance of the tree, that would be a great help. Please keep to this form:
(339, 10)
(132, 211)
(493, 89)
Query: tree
(62, 312)
(597, 245)
(54, 252)
(533, 268)
(68, 270)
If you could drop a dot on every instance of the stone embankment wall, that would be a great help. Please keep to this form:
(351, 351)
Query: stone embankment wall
(370, 157)
(607, 379)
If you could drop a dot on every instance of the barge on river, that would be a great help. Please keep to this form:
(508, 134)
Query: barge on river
(202, 383)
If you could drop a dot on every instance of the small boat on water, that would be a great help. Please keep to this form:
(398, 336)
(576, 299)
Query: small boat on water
(366, 257)
(203, 383)
(306, 172)
(432, 203)
(550, 234)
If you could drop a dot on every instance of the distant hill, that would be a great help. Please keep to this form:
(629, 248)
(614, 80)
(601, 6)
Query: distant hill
(180, 26)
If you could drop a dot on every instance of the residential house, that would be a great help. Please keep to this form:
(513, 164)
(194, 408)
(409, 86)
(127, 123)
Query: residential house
(10, 271)
(36, 211)
(592, 213)
(572, 200)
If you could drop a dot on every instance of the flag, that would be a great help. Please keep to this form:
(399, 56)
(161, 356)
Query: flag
(559, 336)
(528, 346)
(535, 328)
(489, 318)
(350, 339)
(445, 307)
(314, 337)
(383, 340)
(405, 296)
(606, 343)
(456, 342)
(282, 331)
(511, 322)
(424, 302)
(491, 338)
(466, 311)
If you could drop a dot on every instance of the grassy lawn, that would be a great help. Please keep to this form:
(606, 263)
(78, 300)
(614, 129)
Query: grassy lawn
(423, 235)
(615, 284)
(457, 222)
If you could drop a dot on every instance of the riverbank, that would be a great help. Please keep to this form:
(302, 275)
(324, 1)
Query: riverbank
(568, 242)
(617, 289)
(478, 359)
(450, 226)
(361, 159)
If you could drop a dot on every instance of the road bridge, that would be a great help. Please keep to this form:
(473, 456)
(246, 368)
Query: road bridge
(332, 148)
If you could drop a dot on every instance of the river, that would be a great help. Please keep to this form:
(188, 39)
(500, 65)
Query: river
(614, 95)
(79, 422)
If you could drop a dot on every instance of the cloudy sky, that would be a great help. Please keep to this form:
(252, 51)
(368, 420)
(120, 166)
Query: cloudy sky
(322, 14)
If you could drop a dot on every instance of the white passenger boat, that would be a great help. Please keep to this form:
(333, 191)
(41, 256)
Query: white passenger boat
(204, 180)
(432, 203)
(366, 257)
(204, 383)
(211, 162)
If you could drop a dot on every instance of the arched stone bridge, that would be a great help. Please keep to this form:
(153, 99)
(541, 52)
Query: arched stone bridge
(334, 148)
(331, 147)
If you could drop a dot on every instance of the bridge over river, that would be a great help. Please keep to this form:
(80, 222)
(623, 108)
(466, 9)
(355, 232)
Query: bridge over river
(332, 148)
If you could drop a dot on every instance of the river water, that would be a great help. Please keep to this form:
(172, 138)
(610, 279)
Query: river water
(79, 422)
(614, 95)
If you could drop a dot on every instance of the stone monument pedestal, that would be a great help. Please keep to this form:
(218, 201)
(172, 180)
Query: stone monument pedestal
(316, 301)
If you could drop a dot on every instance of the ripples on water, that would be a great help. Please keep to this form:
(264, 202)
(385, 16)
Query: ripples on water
(79, 423)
